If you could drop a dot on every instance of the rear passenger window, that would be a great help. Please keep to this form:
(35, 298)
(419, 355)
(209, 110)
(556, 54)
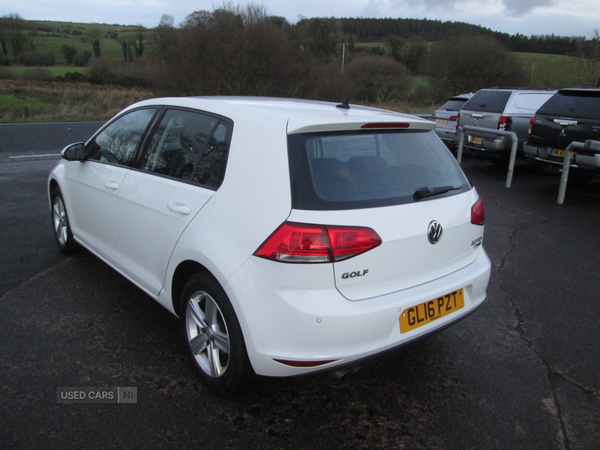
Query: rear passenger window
(531, 102)
(189, 146)
(488, 101)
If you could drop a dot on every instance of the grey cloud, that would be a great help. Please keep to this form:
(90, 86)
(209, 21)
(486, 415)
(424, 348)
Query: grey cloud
(436, 3)
(515, 8)
(519, 8)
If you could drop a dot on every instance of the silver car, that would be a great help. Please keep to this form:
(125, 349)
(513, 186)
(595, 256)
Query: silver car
(446, 119)
(503, 110)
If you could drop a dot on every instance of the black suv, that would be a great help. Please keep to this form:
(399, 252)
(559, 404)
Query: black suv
(570, 115)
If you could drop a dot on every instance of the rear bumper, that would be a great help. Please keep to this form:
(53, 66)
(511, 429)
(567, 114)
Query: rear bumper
(283, 321)
(493, 145)
(447, 135)
(579, 161)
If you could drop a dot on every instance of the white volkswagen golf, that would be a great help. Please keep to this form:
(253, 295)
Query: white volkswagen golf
(288, 236)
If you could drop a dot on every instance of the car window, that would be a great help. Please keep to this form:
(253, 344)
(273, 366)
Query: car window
(117, 143)
(488, 101)
(453, 104)
(574, 104)
(189, 146)
(531, 102)
(358, 170)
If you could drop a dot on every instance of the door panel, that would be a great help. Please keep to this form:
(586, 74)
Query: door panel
(179, 172)
(94, 184)
(93, 206)
(152, 214)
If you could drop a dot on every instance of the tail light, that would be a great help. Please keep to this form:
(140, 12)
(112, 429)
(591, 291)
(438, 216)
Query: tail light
(505, 123)
(304, 243)
(454, 118)
(478, 213)
(530, 130)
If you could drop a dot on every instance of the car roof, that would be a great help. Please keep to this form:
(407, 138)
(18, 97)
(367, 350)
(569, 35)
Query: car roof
(462, 96)
(518, 90)
(300, 116)
(592, 91)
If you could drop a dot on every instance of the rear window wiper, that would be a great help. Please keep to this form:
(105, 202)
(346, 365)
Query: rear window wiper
(426, 191)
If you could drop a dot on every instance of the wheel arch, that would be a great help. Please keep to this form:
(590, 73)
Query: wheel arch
(52, 184)
(182, 273)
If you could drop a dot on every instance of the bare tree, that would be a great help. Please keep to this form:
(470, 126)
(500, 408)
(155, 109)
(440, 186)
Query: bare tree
(135, 42)
(589, 60)
(70, 52)
(233, 50)
(4, 32)
(95, 36)
(321, 37)
(378, 78)
(467, 64)
(395, 46)
(13, 36)
(164, 36)
(138, 42)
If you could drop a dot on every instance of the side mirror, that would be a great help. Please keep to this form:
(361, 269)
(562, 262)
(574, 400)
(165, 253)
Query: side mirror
(74, 152)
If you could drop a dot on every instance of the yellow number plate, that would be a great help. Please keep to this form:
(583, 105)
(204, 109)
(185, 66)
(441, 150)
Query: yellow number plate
(475, 139)
(560, 153)
(441, 122)
(419, 315)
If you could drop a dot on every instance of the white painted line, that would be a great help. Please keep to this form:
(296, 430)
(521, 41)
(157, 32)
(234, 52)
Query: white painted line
(35, 156)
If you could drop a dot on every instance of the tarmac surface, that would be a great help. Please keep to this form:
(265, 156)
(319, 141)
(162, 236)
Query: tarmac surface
(523, 372)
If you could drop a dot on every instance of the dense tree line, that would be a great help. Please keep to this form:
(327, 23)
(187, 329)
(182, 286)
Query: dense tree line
(550, 44)
(378, 30)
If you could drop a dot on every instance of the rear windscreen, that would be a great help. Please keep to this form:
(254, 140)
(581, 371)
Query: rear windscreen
(352, 170)
(454, 104)
(488, 101)
(574, 104)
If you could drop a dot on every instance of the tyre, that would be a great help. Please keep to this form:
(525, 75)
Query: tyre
(60, 223)
(213, 336)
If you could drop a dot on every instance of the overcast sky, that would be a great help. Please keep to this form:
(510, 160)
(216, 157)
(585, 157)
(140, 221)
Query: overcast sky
(559, 17)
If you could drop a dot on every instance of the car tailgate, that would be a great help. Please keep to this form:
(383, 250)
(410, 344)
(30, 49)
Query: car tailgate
(559, 132)
(479, 119)
(406, 257)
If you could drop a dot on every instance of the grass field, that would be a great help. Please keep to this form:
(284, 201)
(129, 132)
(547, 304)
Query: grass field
(550, 70)
(27, 101)
(57, 71)
(109, 48)
(53, 35)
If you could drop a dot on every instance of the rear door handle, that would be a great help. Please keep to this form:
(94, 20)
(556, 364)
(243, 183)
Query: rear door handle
(477, 116)
(180, 208)
(111, 185)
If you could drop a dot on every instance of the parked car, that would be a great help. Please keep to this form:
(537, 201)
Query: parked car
(570, 115)
(288, 236)
(504, 110)
(446, 119)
